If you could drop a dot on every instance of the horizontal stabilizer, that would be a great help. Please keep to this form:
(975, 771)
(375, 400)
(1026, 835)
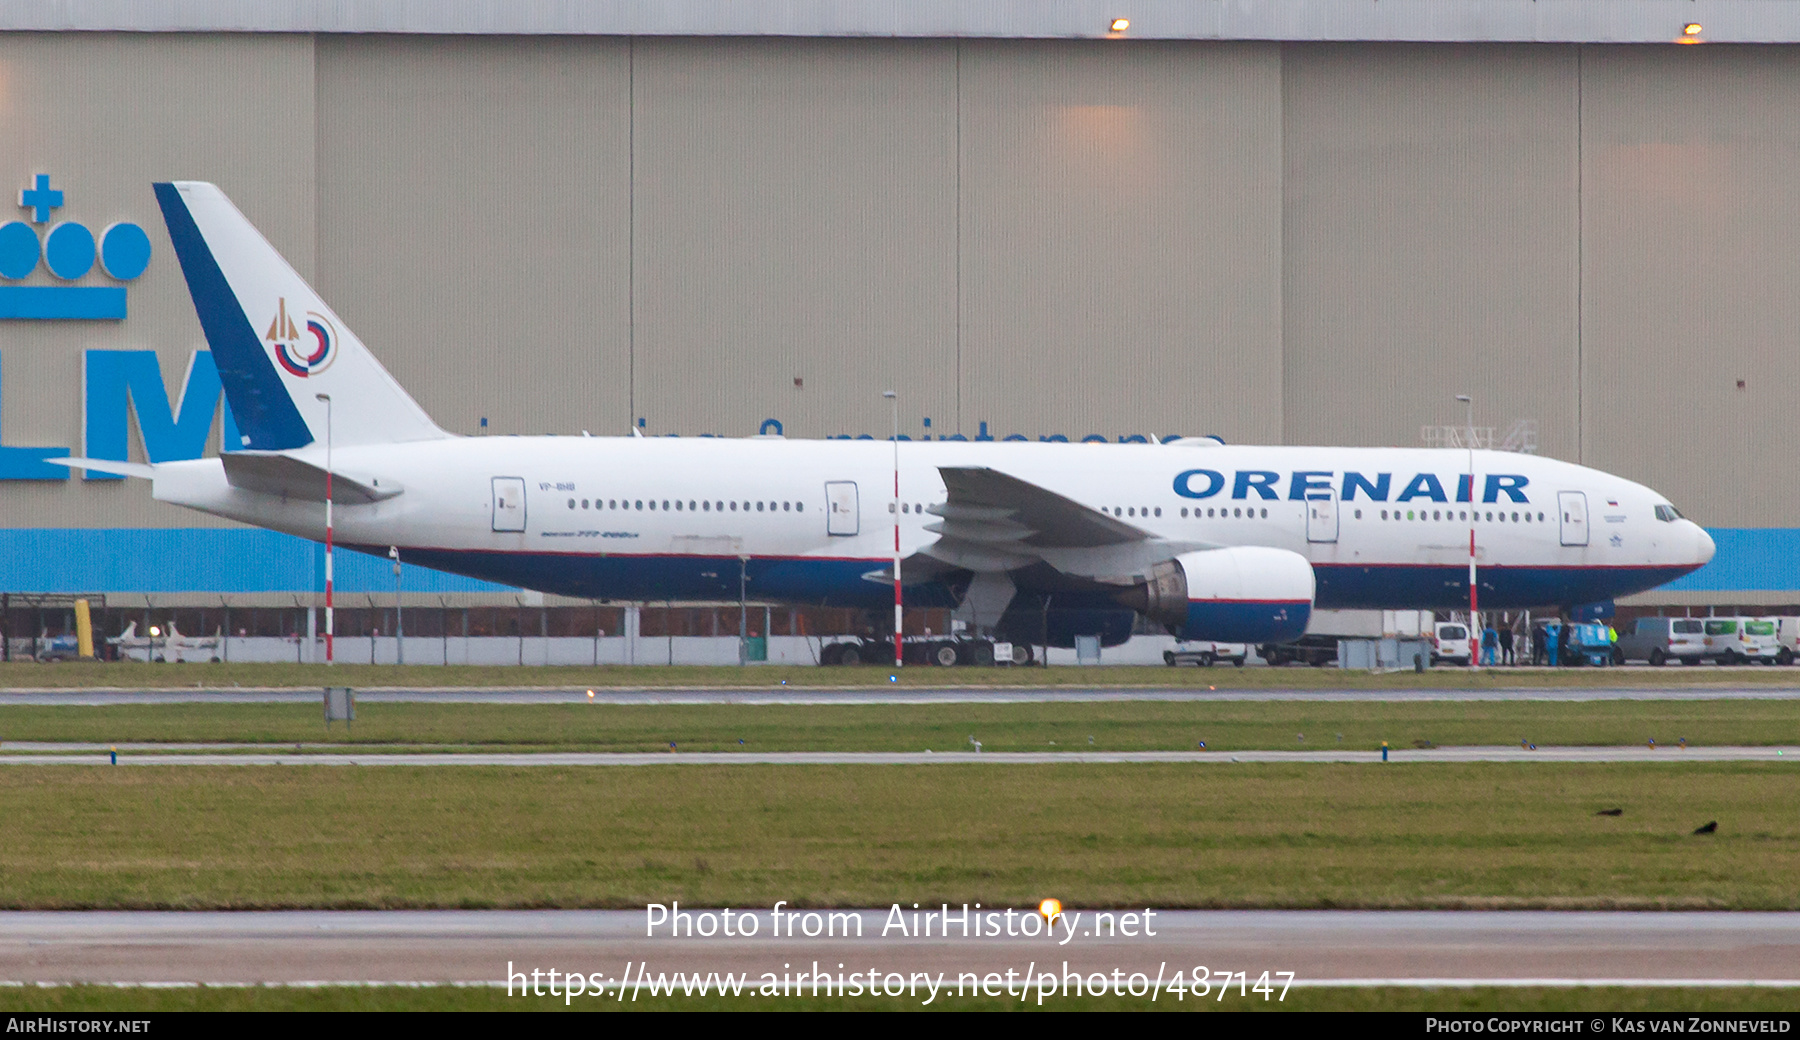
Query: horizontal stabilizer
(123, 469)
(294, 478)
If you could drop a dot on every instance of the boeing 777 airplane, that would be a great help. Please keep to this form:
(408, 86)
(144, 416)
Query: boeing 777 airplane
(1034, 542)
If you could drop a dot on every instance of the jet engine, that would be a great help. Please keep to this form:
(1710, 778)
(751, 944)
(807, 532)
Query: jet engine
(1240, 594)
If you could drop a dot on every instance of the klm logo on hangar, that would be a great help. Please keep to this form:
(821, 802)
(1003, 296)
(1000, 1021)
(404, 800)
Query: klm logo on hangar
(116, 384)
(69, 250)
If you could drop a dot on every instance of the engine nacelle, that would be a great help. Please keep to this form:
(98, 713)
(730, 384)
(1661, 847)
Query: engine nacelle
(1241, 594)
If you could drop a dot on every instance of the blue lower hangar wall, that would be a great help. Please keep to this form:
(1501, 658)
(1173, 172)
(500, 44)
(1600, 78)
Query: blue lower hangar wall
(236, 560)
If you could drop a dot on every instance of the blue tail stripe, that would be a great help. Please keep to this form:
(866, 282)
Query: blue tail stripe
(265, 413)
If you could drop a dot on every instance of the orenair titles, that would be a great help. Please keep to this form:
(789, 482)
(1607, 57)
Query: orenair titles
(1301, 485)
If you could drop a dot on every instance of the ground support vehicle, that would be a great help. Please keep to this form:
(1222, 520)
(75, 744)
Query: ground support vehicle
(1741, 640)
(1590, 643)
(1205, 653)
(1316, 650)
(1660, 640)
(944, 651)
(1450, 643)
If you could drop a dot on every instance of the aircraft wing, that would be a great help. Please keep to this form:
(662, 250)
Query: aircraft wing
(995, 521)
(276, 474)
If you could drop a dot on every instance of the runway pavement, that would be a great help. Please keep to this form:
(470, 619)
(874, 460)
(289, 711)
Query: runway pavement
(130, 756)
(866, 695)
(1341, 948)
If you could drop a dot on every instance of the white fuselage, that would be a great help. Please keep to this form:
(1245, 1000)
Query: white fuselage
(676, 518)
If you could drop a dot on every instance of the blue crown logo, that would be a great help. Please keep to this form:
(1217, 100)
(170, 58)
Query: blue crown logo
(69, 251)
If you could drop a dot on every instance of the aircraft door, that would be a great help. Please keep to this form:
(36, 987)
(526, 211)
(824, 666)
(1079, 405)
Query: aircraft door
(509, 503)
(843, 513)
(1573, 507)
(1322, 517)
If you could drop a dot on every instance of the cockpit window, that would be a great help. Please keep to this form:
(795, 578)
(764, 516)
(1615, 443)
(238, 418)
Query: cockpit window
(1668, 513)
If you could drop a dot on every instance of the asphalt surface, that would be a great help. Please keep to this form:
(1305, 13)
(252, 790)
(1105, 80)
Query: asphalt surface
(865, 695)
(128, 756)
(1340, 948)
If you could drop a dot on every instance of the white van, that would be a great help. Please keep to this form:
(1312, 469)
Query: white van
(1450, 642)
(1787, 636)
(1731, 640)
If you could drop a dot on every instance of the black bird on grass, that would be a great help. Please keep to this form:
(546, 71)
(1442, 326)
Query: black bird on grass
(1711, 827)
(1610, 812)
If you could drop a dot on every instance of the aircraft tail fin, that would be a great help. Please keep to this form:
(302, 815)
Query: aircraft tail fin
(287, 362)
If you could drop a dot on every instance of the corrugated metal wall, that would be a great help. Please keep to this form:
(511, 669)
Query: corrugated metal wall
(1300, 243)
(1429, 240)
(1691, 258)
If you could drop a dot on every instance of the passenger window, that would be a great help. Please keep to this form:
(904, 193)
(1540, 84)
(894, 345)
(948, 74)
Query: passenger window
(706, 507)
(1409, 514)
(1515, 518)
(1159, 510)
(690, 505)
(1237, 512)
(1359, 514)
(571, 503)
(1265, 514)
(1184, 512)
(1209, 512)
(640, 503)
(787, 507)
(677, 505)
(1384, 514)
(799, 507)
(759, 507)
(734, 507)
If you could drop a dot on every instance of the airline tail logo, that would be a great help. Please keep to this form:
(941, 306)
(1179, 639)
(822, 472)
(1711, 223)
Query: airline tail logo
(302, 354)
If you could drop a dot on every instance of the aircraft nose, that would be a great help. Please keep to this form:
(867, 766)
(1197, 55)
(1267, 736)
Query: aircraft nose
(1703, 544)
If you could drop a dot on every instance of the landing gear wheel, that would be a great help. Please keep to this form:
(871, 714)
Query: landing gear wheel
(944, 655)
(1658, 658)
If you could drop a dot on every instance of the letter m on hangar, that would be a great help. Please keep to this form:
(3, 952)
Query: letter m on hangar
(117, 382)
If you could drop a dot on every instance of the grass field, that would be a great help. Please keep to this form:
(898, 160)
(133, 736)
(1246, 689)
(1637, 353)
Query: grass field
(346, 998)
(1442, 835)
(69, 675)
(1113, 725)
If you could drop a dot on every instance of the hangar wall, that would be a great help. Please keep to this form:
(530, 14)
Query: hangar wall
(1301, 242)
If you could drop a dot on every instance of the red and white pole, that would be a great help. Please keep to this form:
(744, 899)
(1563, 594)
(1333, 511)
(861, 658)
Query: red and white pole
(330, 627)
(894, 402)
(1475, 630)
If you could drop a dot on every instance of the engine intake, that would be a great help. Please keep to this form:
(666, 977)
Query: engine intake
(1241, 594)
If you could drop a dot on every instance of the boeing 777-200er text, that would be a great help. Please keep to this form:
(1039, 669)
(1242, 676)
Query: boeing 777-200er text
(1035, 542)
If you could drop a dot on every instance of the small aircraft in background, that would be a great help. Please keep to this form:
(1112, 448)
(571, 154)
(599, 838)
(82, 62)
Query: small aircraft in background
(175, 644)
(161, 646)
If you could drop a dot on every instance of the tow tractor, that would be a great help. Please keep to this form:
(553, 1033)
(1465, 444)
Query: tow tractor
(943, 651)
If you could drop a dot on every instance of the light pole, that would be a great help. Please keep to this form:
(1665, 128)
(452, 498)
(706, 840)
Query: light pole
(330, 628)
(399, 618)
(894, 407)
(1474, 619)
